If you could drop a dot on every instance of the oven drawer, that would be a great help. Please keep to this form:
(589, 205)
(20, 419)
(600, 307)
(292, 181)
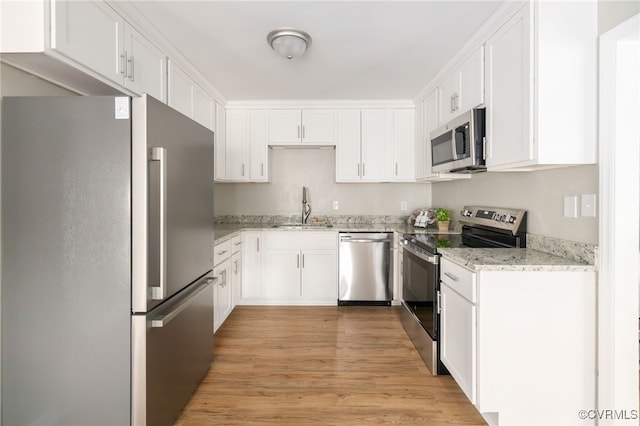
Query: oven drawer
(458, 278)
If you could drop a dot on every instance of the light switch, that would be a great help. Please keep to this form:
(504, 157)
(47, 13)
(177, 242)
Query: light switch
(336, 205)
(571, 206)
(588, 205)
(403, 206)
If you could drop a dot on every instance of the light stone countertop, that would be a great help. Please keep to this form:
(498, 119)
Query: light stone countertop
(226, 231)
(512, 259)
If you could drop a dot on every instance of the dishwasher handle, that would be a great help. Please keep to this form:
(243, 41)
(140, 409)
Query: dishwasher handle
(355, 238)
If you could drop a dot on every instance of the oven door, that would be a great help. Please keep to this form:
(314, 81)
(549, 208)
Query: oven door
(420, 277)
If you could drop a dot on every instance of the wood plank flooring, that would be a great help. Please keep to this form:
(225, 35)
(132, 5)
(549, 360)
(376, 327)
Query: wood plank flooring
(322, 366)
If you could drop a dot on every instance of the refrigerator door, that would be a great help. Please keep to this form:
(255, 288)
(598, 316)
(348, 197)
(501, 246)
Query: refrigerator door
(172, 351)
(66, 261)
(172, 202)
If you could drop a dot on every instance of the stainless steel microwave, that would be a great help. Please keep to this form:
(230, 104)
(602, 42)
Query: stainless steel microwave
(458, 146)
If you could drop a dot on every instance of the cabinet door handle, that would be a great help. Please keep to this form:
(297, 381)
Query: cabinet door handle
(262, 169)
(363, 173)
(303, 261)
(220, 253)
(303, 128)
(122, 64)
(358, 169)
(235, 267)
(131, 70)
(258, 245)
(451, 104)
(484, 147)
(242, 169)
(298, 132)
(396, 169)
(453, 277)
(224, 278)
(298, 261)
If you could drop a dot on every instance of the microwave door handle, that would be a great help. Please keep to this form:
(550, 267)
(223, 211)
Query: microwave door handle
(454, 149)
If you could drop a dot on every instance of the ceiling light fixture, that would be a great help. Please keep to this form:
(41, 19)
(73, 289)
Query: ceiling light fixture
(289, 42)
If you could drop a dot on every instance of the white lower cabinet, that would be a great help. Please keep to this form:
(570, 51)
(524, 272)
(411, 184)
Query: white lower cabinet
(521, 344)
(236, 269)
(300, 268)
(222, 293)
(251, 289)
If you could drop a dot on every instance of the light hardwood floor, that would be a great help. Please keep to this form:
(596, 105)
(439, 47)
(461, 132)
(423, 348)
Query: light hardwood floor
(322, 366)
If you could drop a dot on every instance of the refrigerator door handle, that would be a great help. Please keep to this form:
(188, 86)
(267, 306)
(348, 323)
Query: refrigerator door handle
(160, 292)
(163, 320)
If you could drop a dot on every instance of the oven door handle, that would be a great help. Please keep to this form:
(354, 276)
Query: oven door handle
(433, 259)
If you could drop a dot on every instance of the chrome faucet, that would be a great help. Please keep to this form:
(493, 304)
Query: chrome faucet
(306, 207)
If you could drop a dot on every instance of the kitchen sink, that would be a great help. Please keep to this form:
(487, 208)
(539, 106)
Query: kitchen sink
(301, 226)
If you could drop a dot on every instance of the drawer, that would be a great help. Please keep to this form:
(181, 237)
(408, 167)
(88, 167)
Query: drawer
(458, 278)
(236, 244)
(221, 252)
(303, 240)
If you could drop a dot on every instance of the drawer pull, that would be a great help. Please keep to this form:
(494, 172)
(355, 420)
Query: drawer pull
(453, 277)
(220, 253)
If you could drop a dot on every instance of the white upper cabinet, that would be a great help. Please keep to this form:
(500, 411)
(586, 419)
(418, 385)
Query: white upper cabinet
(294, 126)
(541, 87)
(189, 98)
(246, 146)
(463, 89)
(90, 33)
(145, 67)
(220, 154)
(403, 145)
(348, 145)
(374, 157)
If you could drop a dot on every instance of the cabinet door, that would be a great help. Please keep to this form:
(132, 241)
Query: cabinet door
(222, 302)
(285, 126)
(220, 144)
(319, 274)
(203, 107)
(419, 154)
(471, 82)
(348, 167)
(281, 272)
(373, 145)
(508, 102)
(430, 124)
(237, 147)
(403, 145)
(251, 265)
(318, 126)
(458, 339)
(180, 87)
(90, 33)
(236, 278)
(146, 65)
(449, 92)
(258, 149)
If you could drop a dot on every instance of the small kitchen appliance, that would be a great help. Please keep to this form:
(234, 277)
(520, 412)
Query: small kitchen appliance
(483, 227)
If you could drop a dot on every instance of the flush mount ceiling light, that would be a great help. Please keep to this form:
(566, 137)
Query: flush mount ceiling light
(289, 42)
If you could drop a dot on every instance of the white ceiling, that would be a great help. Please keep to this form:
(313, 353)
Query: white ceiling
(360, 49)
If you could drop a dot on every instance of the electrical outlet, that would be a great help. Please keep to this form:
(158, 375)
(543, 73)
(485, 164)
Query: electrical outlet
(403, 206)
(336, 205)
(571, 206)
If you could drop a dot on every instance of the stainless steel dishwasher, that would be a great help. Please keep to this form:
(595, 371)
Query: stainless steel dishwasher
(365, 268)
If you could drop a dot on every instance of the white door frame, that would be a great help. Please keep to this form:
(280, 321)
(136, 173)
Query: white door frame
(619, 180)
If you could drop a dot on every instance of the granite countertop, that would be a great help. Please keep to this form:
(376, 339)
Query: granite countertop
(512, 259)
(226, 231)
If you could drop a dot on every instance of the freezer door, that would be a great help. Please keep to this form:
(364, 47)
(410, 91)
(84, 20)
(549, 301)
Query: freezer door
(172, 349)
(172, 165)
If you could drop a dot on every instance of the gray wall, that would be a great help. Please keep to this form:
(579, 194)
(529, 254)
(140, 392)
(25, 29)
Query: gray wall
(541, 193)
(614, 12)
(294, 168)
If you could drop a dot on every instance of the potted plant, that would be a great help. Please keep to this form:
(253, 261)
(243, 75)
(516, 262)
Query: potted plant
(443, 217)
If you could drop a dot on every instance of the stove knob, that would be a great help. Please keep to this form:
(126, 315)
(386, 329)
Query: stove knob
(466, 213)
(511, 219)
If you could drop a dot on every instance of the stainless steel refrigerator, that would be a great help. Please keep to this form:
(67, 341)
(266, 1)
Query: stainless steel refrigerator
(107, 258)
